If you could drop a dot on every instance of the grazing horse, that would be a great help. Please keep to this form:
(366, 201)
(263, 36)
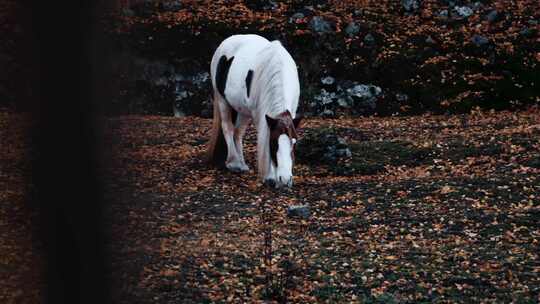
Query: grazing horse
(255, 80)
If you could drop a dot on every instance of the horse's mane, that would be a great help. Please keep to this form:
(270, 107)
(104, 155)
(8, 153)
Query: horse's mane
(270, 73)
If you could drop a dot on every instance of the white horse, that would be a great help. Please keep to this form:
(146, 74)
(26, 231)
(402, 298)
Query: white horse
(256, 80)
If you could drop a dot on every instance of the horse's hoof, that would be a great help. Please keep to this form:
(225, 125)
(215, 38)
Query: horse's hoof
(235, 169)
(238, 168)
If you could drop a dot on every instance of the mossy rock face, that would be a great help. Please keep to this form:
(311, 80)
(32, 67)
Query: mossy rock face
(322, 147)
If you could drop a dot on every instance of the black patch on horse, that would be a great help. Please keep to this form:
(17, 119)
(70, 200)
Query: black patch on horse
(249, 77)
(222, 72)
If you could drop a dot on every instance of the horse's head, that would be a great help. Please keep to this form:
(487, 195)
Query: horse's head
(283, 138)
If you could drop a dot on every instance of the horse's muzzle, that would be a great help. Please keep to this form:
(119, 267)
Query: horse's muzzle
(285, 182)
(281, 183)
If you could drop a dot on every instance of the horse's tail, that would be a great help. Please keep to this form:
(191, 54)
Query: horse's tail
(217, 147)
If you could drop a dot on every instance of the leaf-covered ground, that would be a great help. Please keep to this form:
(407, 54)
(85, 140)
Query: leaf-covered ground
(449, 213)
(437, 209)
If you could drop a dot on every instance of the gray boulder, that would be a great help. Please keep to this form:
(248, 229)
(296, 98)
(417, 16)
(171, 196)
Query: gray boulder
(463, 11)
(300, 211)
(526, 32)
(319, 25)
(328, 80)
(369, 39)
(402, 97)
(410, 5)
(365, 94)
(325, 97)
(443, 14)
(295, 17)
(352, 29)
(175, 5)
(479, 40)
(492, 16)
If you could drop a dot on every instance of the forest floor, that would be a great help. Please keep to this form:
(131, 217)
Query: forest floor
(451, 216)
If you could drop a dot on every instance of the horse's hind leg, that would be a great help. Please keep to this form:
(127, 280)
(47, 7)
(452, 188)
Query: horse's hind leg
(242, 122)
(233, 162)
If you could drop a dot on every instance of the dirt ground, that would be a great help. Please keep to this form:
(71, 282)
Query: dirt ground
(436, 209)
(451, 216)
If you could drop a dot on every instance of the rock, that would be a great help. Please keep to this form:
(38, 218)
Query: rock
(177, 111)
(492, 16)
(180, 95)
(430, 40)
(526, 32)
(327, 113)
(342, 102)
(328, 80)
(301, 211)
(369, 39)
(335, 148)
(272, 5)
(464, 11)
(364, 92)
(410, 5)
(345, 94)
(352, 29)
(201, 79)
(175, 5)
(325, 97)
(443, 14)
(477, 6)
(295, 17)
(178, 77)
(322, 147)
(479, 40)
(402, 97)
(320, 25)
(344, 152)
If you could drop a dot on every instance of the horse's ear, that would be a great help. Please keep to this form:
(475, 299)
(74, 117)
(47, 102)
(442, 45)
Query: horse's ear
(271, 122)
(296, 122)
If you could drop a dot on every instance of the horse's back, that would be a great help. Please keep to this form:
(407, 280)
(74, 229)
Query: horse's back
(242, 50)
(240, 57)
(242, 47)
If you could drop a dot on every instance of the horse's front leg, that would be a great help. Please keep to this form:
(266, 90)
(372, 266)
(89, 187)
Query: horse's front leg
(233, 162)
(242, 122)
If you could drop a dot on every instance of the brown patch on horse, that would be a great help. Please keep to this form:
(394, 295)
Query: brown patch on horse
(281, 124)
